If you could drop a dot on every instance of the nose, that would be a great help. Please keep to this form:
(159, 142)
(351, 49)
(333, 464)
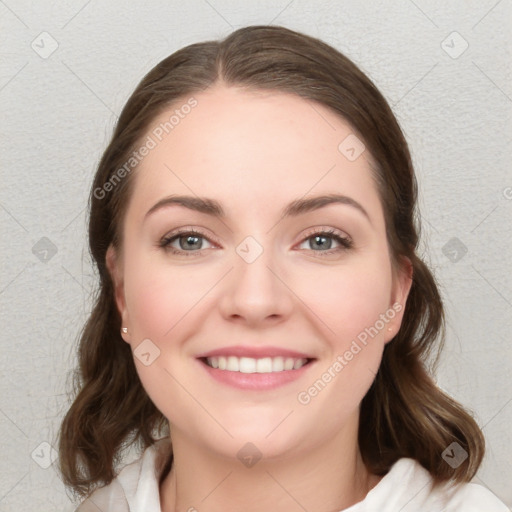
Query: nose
(256, 293)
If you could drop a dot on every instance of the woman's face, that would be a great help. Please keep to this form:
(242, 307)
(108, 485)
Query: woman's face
(266, 281)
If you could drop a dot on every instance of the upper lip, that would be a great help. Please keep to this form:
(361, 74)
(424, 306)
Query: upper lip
(255, 352)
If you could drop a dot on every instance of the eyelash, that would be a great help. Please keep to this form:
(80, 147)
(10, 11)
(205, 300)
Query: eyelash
(345, 242)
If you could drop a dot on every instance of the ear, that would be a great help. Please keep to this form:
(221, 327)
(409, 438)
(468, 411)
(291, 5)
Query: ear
(402, 282)
(115, 268)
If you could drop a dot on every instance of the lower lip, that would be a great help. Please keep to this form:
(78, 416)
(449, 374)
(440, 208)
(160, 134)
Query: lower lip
(256, 381)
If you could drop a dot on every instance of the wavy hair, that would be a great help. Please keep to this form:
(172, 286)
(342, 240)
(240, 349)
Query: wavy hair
(404, 413)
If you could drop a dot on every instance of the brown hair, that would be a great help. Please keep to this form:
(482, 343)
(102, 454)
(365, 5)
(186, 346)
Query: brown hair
(404, 414)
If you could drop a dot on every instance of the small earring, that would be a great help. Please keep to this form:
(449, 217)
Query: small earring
(390, 328)
(124, 330)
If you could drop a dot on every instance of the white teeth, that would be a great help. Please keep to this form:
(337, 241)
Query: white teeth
(277, 364)
(251, 365)
(297, 364)
(288, 363)
(246, 365)
(264, 365)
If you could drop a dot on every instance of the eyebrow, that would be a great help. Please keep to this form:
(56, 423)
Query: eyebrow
(295, 208)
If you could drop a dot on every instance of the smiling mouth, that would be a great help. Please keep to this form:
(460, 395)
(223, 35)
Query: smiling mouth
(255, 365)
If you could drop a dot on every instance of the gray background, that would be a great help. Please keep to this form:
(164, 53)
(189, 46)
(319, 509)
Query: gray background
(58, 111)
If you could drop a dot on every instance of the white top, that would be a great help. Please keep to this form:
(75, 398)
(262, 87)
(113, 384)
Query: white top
(404, 488)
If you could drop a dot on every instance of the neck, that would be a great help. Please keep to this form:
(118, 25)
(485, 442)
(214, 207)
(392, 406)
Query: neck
(329, 478)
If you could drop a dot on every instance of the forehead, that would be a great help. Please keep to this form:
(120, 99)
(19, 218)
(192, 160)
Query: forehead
(253, 147)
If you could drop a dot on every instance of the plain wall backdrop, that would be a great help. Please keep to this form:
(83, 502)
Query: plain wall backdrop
(66, 70)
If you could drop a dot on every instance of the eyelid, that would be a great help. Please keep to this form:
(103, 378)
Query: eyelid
(193, 230)
(325, 229)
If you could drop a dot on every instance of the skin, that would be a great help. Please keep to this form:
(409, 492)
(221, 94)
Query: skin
(255, 152)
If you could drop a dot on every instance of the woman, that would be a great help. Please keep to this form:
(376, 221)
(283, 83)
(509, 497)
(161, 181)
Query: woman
(263, 322)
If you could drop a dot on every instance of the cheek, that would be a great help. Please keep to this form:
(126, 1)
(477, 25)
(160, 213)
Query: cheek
(154, 308)
(348, 299)
(161, 302)
(351, 306)
(159, 296)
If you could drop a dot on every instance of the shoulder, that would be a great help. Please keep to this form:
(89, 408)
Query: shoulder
(136, 485)
(408, 487)
(108, 498)
(472, 497)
